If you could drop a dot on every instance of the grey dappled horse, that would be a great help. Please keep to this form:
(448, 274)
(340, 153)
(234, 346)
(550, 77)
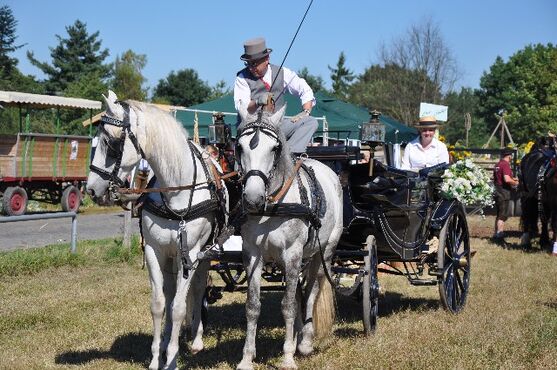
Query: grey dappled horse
(173, 236)
(291, 241)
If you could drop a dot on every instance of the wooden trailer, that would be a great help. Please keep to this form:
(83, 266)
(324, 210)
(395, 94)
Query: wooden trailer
(45, 167)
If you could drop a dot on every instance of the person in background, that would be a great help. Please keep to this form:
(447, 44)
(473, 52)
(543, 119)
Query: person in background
(425, 150)
(262, 84)
(504, 182)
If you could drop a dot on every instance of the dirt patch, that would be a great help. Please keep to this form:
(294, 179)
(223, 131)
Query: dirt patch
(483, 227)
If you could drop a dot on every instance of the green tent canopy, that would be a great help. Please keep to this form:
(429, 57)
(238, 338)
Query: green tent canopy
(340, 116)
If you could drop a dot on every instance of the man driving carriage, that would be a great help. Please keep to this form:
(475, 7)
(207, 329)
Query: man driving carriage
(262, 84)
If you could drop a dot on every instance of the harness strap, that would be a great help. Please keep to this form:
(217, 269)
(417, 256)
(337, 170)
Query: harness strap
(288, 183)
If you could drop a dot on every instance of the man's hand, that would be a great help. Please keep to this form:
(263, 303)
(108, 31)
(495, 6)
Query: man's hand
(299, 116)
(263, 99)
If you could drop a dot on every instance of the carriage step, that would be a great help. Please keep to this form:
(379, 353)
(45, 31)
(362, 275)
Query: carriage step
(423, 282)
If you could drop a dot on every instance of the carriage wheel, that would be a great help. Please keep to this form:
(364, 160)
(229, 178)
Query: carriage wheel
(370, 288)
(233, 275)
(71, 199)
(14, 201)
(453, 261)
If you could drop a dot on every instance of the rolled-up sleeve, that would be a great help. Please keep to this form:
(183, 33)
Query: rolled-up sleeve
(242, 94)
(297, 86)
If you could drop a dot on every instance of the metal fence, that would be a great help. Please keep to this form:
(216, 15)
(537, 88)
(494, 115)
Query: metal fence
(43, 216)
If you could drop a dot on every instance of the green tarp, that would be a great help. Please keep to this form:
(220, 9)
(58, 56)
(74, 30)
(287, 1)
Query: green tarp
(341, 116)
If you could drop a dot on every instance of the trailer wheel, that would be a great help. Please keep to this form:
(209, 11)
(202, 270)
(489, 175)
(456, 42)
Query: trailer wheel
(370, 288)
(14, 201)
(71, 199)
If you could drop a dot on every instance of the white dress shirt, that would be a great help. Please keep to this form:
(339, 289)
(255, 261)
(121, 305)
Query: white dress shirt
(293, 84)
(417, 157)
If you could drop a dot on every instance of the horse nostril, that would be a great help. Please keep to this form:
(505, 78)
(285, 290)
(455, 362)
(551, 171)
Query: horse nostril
(91, 192)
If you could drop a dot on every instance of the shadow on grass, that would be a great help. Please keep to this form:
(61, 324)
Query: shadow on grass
(226, 320)
(132, 347)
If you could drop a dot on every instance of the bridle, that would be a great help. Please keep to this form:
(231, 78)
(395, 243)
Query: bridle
(258, 127)
(116, 146)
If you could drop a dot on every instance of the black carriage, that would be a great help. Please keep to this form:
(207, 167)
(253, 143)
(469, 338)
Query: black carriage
(395, 222)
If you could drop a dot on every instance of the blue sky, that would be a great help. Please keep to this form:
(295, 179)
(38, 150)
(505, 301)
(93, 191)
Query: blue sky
(208, 35)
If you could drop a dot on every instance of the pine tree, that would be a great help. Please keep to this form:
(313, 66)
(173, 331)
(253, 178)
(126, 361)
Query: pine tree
(78, 55)
(341, 77)
(7, 41)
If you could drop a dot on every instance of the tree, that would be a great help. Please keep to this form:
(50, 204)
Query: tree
(127, 81)
(219, 90)
(183, 88)
(8, 25)
(454, 130)
(315, 82)
(341, 77)
(78, 55)
(422, 49)
(391, 89)
(525, 88)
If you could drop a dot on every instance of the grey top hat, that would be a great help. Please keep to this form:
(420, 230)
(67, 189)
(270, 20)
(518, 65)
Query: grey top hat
(255, 49)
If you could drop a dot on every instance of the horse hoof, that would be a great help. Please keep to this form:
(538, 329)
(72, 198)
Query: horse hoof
(245, 365)
(196, 348)
(305, 349)
(288, 365)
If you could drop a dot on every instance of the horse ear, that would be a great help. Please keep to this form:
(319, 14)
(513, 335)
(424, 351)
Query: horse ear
(243, 114)
(112, 107)
(277, 116)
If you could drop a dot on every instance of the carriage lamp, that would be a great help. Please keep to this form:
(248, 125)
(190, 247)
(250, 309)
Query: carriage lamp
(219, 131)
(374, 130)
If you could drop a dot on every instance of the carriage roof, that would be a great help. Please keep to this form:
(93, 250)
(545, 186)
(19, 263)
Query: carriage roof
(14, 99)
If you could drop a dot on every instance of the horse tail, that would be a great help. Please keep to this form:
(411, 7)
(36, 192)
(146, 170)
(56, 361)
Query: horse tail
(324, 309)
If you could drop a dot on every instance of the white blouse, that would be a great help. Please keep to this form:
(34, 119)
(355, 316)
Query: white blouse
(417, 157)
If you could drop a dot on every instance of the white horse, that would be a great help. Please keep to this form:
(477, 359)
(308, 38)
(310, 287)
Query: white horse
(300, 245)
(173, 239)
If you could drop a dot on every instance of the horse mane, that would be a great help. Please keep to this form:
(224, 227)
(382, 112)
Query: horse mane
(165, 136)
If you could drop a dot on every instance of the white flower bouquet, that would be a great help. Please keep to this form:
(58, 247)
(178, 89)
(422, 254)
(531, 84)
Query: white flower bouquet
(468, 183)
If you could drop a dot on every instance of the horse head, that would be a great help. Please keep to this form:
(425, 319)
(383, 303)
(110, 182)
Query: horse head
(118, 150)
(262, 154)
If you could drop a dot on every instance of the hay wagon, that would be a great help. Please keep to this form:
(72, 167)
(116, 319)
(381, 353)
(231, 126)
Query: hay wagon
(38, 166)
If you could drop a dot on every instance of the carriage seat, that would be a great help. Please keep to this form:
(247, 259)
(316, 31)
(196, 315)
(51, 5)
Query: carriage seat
(332, 153)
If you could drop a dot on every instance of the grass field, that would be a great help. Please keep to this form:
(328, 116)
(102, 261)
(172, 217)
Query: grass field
(91, 311)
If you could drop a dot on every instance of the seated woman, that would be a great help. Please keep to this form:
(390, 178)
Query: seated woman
(425, 150)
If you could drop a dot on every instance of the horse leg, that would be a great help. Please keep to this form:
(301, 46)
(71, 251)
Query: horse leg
(305, 347)
(157, 302)
(290, 309)
(254, 265)
(178, 314)
(197, 291)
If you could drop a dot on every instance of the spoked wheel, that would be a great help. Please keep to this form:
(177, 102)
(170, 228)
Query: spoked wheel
(370, 288)
(233, 274)
(453, 261)
(71, 199)
(14, 201)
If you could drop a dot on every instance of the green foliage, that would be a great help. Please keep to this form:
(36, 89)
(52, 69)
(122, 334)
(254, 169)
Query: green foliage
(78, 55)
(315, 82)
(8, 36)
(219, 90)
(183, 88)
(393, 90)
(525, 87)
(127, 81)
(454, 130)
(341, 77)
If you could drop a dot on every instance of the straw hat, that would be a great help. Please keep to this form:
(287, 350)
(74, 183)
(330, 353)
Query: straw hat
(427, 122)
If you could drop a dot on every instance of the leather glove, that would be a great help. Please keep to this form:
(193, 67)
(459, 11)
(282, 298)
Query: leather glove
(263, 99)
(299, 116)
